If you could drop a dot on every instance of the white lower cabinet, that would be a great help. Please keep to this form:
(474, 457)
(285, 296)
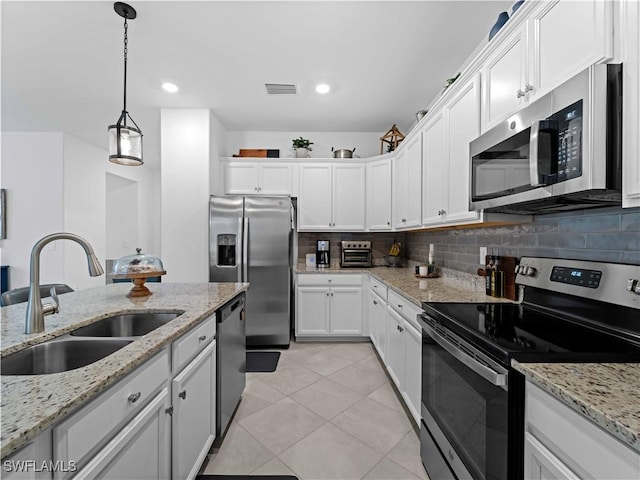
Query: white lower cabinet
(329, 305)
(560, 443)
(395, 347)
(193, 427)
(378, 323)
(141, 450)
(38, 451)
(413, 370)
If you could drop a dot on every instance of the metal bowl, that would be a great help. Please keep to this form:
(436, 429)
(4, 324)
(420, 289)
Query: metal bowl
(393, 261)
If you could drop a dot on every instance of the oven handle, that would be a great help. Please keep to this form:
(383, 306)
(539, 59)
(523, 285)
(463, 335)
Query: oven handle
(496, 378)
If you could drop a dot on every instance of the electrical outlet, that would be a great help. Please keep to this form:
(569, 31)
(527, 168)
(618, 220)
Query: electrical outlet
(483, 255)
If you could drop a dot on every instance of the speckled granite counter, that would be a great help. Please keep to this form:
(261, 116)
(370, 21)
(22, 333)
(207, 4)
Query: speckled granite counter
(30, 404)
(607, 394)
(452, 287)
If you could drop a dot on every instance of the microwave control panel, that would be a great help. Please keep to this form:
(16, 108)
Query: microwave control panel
(569, 131)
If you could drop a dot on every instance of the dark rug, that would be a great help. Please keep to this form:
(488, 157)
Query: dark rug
(246, 477)
(262, 361)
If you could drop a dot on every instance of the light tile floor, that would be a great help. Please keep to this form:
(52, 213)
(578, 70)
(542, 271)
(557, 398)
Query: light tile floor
(327, 412)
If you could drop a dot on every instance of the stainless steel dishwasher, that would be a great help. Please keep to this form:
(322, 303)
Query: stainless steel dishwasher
(230, 361)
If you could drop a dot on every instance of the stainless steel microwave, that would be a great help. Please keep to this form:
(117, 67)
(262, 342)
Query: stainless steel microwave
(561, 152)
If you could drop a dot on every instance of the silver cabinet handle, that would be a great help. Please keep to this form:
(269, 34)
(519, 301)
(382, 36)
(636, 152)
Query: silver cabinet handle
(202, 338)
(375, 303)
(528, 87)
(520, 94)
(134, 397)
(183, 394)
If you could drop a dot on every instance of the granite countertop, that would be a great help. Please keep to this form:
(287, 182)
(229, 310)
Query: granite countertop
(605, 393)
(32, 403)
(453, 286)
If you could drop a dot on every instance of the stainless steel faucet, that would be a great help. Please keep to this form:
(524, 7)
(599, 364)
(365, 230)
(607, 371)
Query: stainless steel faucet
(35, 310)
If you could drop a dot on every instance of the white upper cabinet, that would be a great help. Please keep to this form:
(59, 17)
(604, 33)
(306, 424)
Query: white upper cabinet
(258, 178)
(558, 40)
(331, 197)
(379, 195)
(407, 184)
(631, 107)
(435, 168)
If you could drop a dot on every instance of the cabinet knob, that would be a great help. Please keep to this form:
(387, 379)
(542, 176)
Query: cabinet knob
(520, 94)
(327, 294)
(388, 224)
(528, 87)
(375, 303)
(183, 394)
(332, 294)
(202, 338)
(404, 220)
(134, 397)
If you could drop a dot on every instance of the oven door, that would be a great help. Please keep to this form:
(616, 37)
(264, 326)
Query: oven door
(465, 407)
(356, 258)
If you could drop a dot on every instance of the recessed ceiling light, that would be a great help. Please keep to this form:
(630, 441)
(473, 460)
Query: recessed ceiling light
(170, 87)
(323, 88)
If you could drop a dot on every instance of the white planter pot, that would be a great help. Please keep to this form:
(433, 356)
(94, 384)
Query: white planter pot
(302, 153)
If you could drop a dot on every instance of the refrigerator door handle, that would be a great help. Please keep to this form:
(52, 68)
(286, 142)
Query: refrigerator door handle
(245, 249)
(240, 250)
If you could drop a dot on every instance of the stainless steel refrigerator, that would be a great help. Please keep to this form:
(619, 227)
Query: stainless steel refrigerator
(251, 239)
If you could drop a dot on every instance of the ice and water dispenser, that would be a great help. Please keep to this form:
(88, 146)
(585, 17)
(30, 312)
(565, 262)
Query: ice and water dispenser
(227, 250)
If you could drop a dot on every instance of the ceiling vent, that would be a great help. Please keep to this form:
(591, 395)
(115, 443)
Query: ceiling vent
(281, 89)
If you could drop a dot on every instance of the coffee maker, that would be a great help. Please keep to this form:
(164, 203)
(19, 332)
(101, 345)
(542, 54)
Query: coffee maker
(323, 259)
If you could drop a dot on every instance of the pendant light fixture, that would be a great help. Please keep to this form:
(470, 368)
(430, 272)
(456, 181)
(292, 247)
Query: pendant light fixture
(125, 140)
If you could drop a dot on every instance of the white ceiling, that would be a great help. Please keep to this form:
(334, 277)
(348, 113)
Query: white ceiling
(62, 62)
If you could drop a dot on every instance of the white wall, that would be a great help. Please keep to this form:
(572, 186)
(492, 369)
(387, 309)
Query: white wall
(218, 145)
(31, 172)
(367, 144)
(185, 179)
(121, 216)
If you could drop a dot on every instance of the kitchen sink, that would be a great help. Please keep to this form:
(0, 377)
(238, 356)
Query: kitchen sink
(127, 325)
(59, 356)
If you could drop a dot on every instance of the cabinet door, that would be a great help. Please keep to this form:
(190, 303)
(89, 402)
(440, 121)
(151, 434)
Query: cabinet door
(463, 125)
(241, 178)
(395, 347)
(541, 464)
(193, 400)
(346, 310)
(373, 325)
(141, 450)
(275, 179)
(400, 172)
(414, 182)
(379, 195)
(503, 76)
(314, 202)
(381, 328)
(38, 450)
(631, 105)
(412, 370)
(348, 197)
(561, 48)
(434, 161)
(313, 311)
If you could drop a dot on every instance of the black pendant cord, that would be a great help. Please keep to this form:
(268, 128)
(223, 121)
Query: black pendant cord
(126, 42)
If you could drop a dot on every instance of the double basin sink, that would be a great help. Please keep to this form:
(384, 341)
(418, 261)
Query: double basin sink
(85, 345)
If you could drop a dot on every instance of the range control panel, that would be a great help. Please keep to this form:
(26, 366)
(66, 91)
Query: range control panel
(576, 276)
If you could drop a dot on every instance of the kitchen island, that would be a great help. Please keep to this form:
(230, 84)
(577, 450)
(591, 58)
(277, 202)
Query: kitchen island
(32, 403)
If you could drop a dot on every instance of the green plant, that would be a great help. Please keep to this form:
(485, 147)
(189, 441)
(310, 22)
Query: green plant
(302, 143)
(449, 81)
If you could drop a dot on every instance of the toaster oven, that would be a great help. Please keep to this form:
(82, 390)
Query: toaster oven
(355, 254)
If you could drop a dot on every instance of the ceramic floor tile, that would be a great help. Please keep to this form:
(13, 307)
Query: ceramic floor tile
(389, 470)
(371, 361)
(325, 362)
(290, 377)
(353, 351)
(362, 379)
(330, 453)
(386, 395)
(407, 454)
(280, 425)
(239, 454)
(378, 426)
(275, 466)
(326, 398)
(309, 346)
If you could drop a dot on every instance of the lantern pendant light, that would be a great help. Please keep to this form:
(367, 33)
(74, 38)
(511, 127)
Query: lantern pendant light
(125, 139)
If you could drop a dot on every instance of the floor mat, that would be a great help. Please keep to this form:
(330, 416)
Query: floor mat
(262, 361)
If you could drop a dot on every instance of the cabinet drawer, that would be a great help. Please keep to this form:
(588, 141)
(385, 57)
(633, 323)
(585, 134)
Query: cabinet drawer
(405, 307)
(83, 431)
(329, 280)
(379, 288)
(187, 347)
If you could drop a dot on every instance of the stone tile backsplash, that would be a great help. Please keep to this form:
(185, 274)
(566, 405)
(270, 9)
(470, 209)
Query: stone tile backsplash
(608, 234)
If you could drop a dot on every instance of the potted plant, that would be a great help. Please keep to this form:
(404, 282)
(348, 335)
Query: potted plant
(302, 146)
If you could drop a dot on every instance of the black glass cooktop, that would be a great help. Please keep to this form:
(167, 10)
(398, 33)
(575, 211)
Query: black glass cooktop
(505, 331)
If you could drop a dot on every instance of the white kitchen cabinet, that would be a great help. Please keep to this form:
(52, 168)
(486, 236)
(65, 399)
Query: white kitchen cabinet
(413, 370)
(395, 347)
(38, 450)
(561, 443)
(258, 178)
(543, 52)
(630, 19)
(407, 184)
(332, 197)
(378, 322)
(193, 424)
(329, 305)
(140, 450)
(379, 198)
(446, 138)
